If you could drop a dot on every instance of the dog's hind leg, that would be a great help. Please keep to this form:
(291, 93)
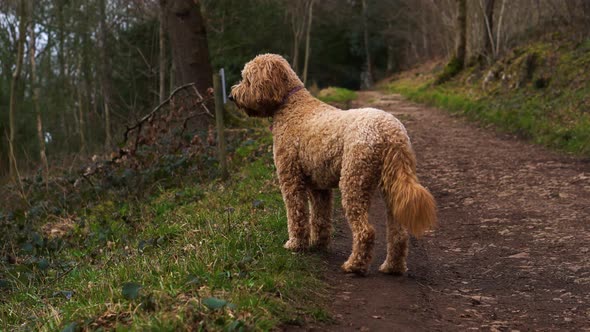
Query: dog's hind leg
(357, 183)
(397, 247)
(321, 218)
(356, 208)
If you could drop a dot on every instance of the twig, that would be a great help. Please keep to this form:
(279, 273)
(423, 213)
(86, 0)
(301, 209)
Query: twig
(150, 114)
(202, 102)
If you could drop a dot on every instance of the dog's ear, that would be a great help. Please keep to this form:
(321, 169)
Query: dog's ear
(273, 82)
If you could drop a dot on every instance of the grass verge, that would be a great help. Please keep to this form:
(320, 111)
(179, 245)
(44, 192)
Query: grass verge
(196, 256)
(337, 95)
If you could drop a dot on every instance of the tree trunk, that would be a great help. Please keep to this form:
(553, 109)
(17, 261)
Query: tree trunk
(61, 32)
(368, 79)
(488, 29)
(297, 13)
(390, 58)
(105, 80)
(295, 60)
(461, 43)
(499, 31)
(80, 118)
(14, 86)
(307, 39)
(35, 85)
(188, 39)
(162, 58)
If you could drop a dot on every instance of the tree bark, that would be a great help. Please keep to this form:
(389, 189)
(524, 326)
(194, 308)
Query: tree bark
(162, 58)
(35, 85)
(80, 117)
(297, 11)
(368, 81)
(461, 43)
(61, 33)
(307, 39)
(14, 86)
(488, 29)
(190, 50)
(105, 80)
(499, 31)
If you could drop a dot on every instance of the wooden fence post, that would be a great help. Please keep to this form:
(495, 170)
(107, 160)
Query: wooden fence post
(221, 153)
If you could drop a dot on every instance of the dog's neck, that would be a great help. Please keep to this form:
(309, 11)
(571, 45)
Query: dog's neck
(289, 94)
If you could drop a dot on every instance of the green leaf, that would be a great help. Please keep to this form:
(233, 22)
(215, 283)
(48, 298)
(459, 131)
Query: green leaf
(37, 240)
(27, 247)
(130, 290)
(4, 283)
(214, 303)
(236, 325)
(43, 264)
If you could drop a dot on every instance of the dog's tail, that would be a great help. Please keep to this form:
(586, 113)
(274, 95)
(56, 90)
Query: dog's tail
(409, 203)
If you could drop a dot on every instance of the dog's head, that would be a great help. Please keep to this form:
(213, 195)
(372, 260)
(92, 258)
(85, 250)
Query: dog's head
(266, 82)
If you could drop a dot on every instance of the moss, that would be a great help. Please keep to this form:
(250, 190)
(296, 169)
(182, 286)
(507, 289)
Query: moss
(451, 70)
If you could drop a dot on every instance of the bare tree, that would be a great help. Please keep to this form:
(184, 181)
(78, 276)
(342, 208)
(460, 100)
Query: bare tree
(307, 39)
(105, 70)
(35, 94)
(14, 86)
(487, 7)
(368, 79)
(297, 12)
(461, 39)
(162, 57)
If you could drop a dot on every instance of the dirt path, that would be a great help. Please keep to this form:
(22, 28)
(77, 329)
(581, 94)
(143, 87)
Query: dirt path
(512, 251)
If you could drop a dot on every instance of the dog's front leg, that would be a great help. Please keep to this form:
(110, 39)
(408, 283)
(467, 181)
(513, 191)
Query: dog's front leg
(295, 197)
(321, 218)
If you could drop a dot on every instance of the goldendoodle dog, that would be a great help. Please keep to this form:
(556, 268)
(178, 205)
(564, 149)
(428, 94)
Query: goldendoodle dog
(318, 147)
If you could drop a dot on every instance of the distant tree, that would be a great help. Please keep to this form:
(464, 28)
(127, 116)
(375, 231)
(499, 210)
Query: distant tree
(307, 40)
(487, 7)
(461, 36)
(16, 76)
(297, 13)
(163, 51)
(35, 93)
(105, 72)
(367, 82)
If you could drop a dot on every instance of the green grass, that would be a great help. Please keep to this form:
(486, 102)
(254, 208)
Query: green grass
(337, 95)
(201, 256)
(547, 104)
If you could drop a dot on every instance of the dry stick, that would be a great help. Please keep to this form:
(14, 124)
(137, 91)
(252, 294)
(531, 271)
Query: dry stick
(202, 102)
(151, 114)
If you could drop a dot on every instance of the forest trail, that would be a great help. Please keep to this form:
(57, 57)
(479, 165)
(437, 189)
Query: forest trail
(512, 251)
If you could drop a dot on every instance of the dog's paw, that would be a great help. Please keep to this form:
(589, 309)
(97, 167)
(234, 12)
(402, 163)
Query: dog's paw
(394, 269)
(295, 245)
(355, 268)
(319, 244)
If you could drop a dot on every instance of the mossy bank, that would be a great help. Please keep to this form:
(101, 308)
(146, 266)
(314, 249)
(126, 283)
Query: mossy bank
(539, 91)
